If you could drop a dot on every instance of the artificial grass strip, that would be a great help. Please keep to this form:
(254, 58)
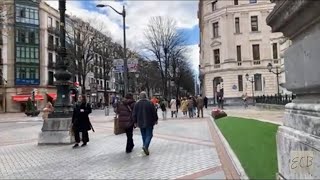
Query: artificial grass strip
(254, 143)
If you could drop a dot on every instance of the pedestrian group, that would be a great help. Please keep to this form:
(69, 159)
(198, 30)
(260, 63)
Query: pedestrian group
(131, 114)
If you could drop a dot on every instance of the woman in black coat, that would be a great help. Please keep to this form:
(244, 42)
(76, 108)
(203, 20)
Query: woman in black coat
(81, 122)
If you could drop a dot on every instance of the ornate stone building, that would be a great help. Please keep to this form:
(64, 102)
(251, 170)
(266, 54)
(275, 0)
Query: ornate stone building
(235, 41)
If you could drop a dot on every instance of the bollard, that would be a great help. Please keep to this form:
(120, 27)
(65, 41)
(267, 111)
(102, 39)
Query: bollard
(106, 111)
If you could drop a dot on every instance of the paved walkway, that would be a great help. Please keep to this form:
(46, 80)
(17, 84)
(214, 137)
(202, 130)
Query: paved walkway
(182, 148)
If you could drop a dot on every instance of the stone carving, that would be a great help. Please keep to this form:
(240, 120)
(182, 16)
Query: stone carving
(215, 43)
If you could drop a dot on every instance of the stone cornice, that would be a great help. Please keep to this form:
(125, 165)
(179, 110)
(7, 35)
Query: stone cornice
(287, 16)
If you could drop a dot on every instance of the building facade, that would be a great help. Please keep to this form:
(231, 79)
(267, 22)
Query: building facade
(235, 41)
(29, 41)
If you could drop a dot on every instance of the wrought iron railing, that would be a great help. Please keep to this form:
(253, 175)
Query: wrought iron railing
(275, 99)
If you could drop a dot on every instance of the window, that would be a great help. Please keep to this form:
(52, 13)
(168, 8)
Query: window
(252, 1)
(254, 23)
(57, 25)
(32, 37)
(214, 5)
(50, 58)
(237, 24)
(32, 74)
(256, 52)
(238, 53)
(275, 50)
(215, 30)
(22, 36)
(257, 82)
(22, 12)
(27, 14)
(240, 82)
(49, 22)
(57, 41)
(216, 55)
(50, 40)
(236, 2)
(50, 78)
(22, 74)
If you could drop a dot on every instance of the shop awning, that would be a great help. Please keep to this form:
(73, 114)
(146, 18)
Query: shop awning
(54, 96)
(24, 98)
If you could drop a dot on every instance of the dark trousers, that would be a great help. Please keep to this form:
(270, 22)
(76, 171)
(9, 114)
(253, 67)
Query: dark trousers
(130, 144)
(191, 113)
(147, 134)
(85, 136)
(200, 110)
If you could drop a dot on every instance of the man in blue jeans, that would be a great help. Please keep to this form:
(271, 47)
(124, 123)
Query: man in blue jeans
(145, 117)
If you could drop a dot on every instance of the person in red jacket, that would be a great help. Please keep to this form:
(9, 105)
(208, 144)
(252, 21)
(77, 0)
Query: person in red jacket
(124, 111)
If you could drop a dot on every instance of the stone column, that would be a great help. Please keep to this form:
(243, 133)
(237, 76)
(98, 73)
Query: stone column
(298, 140)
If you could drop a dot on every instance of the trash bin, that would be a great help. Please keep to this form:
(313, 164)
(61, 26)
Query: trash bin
(106, 111)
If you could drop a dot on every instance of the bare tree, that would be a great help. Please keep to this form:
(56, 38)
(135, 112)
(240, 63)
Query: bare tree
(81, 40)
(6, 17)
(166, 44)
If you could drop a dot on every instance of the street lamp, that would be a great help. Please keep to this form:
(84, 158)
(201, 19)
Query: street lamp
(277, 73)
(125, 62)
(252, 81)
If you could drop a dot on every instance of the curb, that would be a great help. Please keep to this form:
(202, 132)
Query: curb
(231, 154)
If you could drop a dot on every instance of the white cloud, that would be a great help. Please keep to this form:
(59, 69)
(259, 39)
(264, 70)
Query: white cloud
(194, 56)
(138, 15)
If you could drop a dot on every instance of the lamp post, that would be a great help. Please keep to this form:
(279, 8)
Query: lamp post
(56, 129)
(62, 105)
(252, 81)
(277, 73)
(125, 62)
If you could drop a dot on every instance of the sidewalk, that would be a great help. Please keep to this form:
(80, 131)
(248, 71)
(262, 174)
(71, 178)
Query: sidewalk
(181, 148)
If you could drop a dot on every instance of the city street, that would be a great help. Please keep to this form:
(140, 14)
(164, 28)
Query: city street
(181, 148)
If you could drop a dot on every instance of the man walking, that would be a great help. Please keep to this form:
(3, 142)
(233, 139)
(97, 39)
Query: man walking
(200, 103)
(205, 101)
(145, 116)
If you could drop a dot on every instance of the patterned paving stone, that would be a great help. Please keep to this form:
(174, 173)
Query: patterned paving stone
(181, 147)
(104, 158)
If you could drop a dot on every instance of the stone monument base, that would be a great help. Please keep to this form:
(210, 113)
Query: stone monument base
(56, 131)
(298, 142)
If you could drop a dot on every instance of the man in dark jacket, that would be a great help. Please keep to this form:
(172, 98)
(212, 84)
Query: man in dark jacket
(124, 111)
(145, 116)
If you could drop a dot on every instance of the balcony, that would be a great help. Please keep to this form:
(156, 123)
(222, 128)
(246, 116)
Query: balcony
(54, 30)
(51, 65)
(216, 66)
(256, 62)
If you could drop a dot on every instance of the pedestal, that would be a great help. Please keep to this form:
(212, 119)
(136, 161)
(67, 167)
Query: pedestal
(56, 131)
(298, 140)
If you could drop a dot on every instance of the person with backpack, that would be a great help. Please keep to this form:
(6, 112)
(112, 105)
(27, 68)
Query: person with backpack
(124, 111)
(163, 106)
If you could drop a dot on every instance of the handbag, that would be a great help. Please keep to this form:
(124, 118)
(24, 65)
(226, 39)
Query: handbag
(116, 129)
